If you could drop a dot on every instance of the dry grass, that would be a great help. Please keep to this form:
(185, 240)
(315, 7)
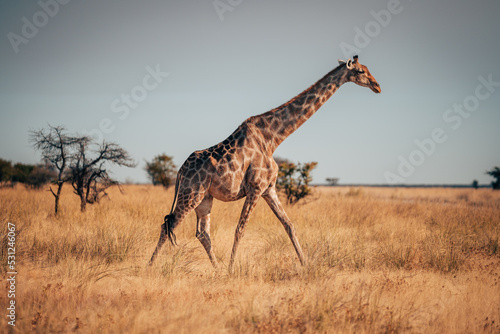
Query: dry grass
(379, 261)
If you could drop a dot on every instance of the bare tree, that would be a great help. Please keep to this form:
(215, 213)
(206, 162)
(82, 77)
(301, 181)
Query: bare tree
(80, 160)
(56, 148)
(89, 176)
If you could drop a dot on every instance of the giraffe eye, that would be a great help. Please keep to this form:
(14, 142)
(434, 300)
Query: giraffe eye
(361, 71)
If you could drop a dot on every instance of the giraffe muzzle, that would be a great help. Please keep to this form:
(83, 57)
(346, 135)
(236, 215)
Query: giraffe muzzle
(375, 87)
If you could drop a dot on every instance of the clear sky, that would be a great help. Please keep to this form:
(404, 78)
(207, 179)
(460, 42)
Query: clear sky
(176, 76)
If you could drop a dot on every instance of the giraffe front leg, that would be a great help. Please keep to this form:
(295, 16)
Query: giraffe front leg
(248, 207)
(271, 198)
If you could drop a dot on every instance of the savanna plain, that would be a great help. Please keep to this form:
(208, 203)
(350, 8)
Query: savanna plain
(379, 260)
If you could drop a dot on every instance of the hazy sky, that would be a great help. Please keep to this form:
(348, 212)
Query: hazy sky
(177, 76)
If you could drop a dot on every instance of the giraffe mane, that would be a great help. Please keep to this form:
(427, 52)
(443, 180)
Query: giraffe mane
(305, 92)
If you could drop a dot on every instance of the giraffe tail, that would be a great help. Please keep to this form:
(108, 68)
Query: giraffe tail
(169, 227)
(169, 220)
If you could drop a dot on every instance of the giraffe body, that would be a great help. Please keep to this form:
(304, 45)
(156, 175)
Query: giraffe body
(243, 166)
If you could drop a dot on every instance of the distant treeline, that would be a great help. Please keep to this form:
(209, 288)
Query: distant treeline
(34, 176)
(405, 185)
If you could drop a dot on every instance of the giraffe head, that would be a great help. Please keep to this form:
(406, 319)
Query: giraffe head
(359, 74)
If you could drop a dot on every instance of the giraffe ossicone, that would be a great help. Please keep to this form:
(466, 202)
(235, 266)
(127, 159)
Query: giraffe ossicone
(243, 166)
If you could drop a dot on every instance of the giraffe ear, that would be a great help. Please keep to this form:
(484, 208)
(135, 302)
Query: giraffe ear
(349, 64)
(341, 62)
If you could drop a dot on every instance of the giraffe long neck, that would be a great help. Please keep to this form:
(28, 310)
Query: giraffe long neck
(279, 123)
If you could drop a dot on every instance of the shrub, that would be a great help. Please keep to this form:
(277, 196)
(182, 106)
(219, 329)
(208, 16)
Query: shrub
(294, 180)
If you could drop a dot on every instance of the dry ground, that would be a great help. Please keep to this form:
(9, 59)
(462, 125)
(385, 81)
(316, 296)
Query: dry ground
(379, 260)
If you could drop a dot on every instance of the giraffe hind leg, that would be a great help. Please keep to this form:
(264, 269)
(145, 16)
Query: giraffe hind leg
(166, 233)
(182, 209)
(161, 241)
(203, 227)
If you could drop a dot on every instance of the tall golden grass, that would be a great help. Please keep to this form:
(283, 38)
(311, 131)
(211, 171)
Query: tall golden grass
(380, 260)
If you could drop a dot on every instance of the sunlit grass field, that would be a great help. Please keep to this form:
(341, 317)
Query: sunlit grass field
(380, 260)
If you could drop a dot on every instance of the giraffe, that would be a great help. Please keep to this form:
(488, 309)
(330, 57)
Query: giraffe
(243, 166)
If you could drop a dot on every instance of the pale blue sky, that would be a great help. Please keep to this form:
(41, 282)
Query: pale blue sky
(427, 56)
